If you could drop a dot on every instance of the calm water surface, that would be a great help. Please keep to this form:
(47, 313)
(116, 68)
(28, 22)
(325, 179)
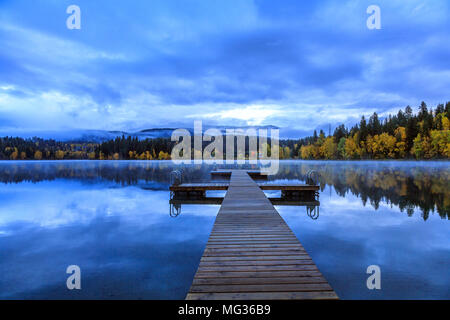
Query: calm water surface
(112, 219)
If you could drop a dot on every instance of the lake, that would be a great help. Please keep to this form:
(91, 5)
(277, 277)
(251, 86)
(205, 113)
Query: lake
(112, 219)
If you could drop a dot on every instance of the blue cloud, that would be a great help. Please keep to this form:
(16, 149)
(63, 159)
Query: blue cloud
(154, 63)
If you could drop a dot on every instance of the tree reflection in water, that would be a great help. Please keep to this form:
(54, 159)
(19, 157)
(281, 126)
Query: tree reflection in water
(408, 185)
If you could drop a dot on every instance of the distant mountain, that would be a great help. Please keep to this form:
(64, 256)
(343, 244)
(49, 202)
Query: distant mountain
(153, 133)
(99, 136)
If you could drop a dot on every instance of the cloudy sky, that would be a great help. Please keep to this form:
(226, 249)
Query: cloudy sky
(295, 64)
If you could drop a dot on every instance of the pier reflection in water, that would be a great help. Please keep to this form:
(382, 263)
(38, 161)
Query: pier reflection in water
(312, 207)
(420, 188)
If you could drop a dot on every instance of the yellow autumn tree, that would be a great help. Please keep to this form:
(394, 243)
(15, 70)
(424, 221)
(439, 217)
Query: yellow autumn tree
(422, 147)
(142, 156)
(15, 154)
(304, 152)
(440, 143)
(310, 152)
(59, 154)
(132, 154)
(445, 123)
(280, 153)
(381, 146)
(400, 145)
(351, 148)
(38, 155)
(163, 156)
(287, 152)
(328, 149)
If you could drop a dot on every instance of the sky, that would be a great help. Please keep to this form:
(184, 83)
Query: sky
(299, 65)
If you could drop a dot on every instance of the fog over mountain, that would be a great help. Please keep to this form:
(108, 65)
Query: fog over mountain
(83, 135)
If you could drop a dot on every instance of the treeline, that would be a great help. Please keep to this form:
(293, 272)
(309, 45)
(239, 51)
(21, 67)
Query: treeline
(407, 186)
(117, 149)
(40, 149)
(134, 149)
(425, 135)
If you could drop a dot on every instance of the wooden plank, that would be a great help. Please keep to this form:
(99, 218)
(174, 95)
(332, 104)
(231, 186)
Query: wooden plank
(250, 246)
(292, 187)
(253, 258)
(282, 262)
(238, 250)
(218, 200)
(325, 295)
(252, 253)
(235, 236)
(259, 274)
(227, 173)
(271, 280)
(225, 186)
(285, 287)
(251, 238)
(199, 187)
(252, 241)
(257, 268)
(255, 249)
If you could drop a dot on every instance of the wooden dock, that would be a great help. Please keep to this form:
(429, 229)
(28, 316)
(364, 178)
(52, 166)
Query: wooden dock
(186, 187)
(252, 253)
(304, 192)
(218, 201)
(251, 173)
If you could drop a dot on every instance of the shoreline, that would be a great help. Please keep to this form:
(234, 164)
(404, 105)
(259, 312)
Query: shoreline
(213, 162)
